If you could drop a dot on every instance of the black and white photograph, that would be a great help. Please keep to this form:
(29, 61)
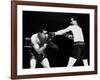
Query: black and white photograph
(55, 39)
(52, 39)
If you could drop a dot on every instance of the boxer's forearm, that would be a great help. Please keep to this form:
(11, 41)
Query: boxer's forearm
(43, 48)
(40, 49)
(60, 32)
(63, 31)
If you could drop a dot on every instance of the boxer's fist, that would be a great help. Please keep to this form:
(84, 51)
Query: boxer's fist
(51, 34)
(70, 36)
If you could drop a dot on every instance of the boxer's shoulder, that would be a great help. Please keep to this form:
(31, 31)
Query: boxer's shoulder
(34, 36)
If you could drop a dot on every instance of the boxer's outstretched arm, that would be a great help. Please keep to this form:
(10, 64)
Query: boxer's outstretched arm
(63, 31)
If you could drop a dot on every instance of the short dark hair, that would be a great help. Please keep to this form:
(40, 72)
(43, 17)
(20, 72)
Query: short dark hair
(42, 28)
(75, 18)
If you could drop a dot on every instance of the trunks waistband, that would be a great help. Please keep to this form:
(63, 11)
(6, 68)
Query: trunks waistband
(79, 43)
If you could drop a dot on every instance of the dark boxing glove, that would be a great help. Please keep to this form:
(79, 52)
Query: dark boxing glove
(53, 45)
(51, 34)
(50, 37)
(69, 35)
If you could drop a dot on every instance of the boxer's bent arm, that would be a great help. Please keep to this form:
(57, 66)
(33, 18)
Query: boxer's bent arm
(38, 49)
(35, 45)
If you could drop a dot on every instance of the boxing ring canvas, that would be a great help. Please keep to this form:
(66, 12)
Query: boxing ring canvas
(27, 17)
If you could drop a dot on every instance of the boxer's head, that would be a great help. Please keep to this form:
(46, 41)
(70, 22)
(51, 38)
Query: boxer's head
(43, 32)
(73, 21)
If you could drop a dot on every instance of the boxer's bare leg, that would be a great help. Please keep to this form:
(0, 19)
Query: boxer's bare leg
(71, 62)
(85, 62)
(45, 63)
(32, 63)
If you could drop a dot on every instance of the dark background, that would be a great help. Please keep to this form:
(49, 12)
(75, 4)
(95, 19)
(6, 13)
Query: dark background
(32, 21)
